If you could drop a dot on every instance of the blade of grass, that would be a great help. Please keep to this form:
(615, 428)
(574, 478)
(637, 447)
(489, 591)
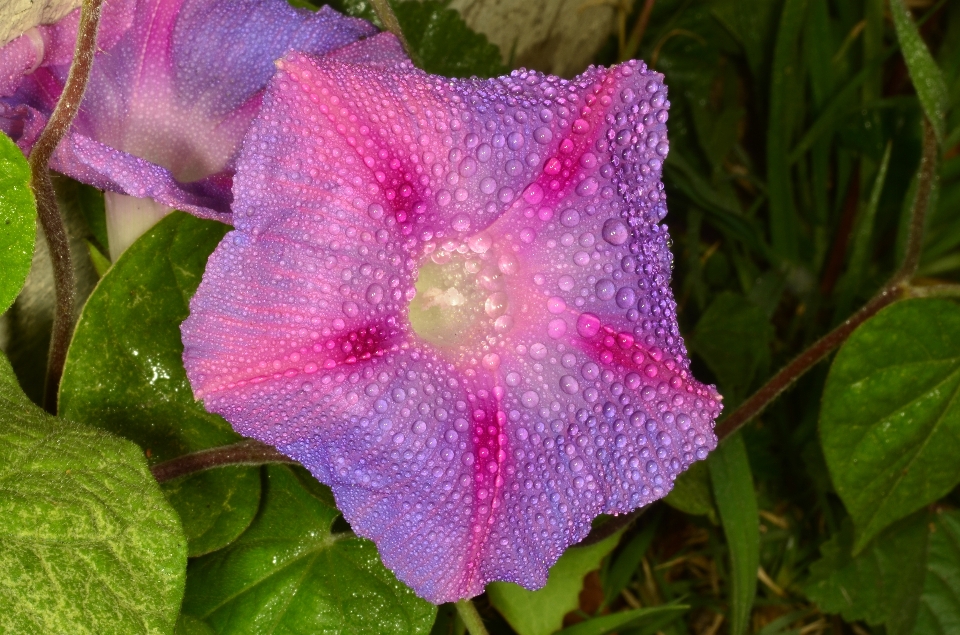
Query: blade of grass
(837, 107)
(861, 239)
(730, 220)
(784, 225)
(627, 561)
(737, 503)
(927, 78)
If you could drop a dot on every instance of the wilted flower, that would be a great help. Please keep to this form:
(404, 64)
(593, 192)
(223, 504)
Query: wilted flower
(449, 299)
(174, 86)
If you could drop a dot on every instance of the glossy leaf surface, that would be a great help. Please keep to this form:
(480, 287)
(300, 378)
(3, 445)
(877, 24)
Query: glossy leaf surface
(290, 572)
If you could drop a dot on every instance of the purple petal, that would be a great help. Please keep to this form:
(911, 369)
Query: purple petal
(450, 300)
(172, 91)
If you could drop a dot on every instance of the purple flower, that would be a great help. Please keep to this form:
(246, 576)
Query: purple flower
(174, 86)
(449, 299)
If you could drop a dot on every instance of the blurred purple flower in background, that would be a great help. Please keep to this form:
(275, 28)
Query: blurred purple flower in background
(449, 299)
(174, 86)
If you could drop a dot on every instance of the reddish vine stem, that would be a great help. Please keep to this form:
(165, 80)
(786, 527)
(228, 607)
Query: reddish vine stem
(47, 209)
(247, 452)
(896, 289)
(804, 362)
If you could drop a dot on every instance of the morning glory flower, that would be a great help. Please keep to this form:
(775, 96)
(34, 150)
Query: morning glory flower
(449, 299)
(174, 86)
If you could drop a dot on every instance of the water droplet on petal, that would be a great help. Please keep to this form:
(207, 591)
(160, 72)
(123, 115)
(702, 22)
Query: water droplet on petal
(557, 328)
(615, 231)
(588, 186)
(588, 325)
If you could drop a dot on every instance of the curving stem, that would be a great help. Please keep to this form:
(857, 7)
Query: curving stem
(897, 288)
(248, 452)
(47, 209)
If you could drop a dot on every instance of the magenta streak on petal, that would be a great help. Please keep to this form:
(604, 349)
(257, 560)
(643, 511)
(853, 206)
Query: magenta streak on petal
(173, 89)
(521, 216)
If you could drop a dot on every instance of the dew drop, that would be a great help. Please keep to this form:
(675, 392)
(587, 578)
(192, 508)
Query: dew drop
(615, 231)
(605, 289)
(374, 294)
(588, 187)
(557, 328)
(569, 384)
(588, 325)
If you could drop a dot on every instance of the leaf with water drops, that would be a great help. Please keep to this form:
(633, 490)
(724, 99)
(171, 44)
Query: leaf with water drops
(928, 79)
(88, 545)
(890, 417)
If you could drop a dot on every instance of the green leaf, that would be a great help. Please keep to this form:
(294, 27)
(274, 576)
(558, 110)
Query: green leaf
(927, 78)
(541, 612)
(216, 505)
(890, 418)
(733, 337)
(881, 584)
(100, 262)
(290, 573)
(939, 612)
(124, 373)
(18, 224)
(737, 503)
(691, 493)
(440, 39)
(610, 623)
(87, 542)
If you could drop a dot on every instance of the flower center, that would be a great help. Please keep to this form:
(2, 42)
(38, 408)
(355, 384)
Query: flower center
(461, 297)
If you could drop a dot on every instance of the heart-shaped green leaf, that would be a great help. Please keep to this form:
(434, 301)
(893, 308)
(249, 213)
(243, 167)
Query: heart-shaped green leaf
(890, 418)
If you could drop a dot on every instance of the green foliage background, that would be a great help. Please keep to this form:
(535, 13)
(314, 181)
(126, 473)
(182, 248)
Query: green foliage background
(796, 138)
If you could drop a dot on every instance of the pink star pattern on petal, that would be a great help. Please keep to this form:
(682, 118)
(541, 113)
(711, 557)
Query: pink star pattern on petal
(449, 299)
